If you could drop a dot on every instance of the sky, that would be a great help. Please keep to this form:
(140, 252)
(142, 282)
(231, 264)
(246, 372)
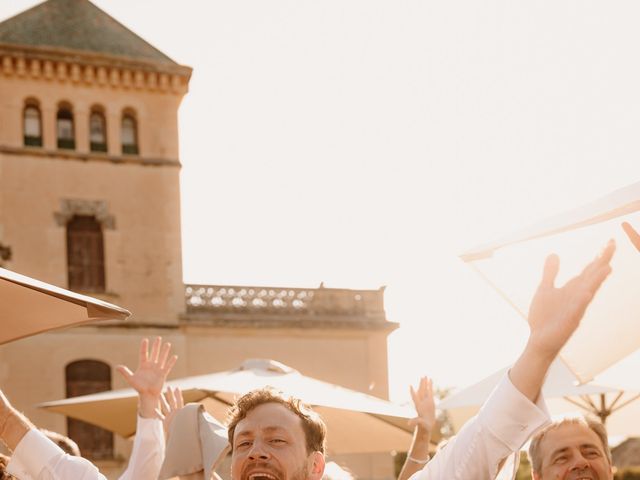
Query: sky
(367, 143)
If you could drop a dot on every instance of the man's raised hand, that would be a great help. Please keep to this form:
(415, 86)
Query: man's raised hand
(148, 379)
(170, 403)
(555, 312)
(425, 406)
(554, 315)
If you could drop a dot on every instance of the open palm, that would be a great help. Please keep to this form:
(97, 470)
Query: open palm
(555, 313)
(424, 404)
(153, 368)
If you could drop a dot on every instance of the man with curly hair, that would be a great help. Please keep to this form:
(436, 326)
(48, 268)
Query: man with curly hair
(274, 437)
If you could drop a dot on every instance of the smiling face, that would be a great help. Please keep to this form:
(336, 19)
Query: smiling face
(573, 451)
(269, 443)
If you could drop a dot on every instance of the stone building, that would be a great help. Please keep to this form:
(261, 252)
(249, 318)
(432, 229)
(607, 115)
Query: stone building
(90, 201)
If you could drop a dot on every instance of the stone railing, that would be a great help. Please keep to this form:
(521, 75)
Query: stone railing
(281, 301)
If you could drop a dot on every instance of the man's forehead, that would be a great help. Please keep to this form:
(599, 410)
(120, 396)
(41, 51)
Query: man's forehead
(269, 417)
(569, 435)
(248, 430)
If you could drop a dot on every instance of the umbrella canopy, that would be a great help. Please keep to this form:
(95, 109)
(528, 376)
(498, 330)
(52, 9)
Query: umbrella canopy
(30, 306)
(618, 408)
(513, 266)
(356, 422)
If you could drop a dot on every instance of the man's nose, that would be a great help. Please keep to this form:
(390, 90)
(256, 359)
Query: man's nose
(579, 462)
(258, 451)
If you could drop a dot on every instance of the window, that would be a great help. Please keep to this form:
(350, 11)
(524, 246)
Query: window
(129, 135)
(85, 254)
(82, 378)
(97, 132)
(64, 127)
(32, 126)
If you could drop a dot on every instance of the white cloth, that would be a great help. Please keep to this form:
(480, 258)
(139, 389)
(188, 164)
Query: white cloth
(197, 443)
(38, 458)
(503, 425)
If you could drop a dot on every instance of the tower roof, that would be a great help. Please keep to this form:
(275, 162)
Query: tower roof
(77, 25)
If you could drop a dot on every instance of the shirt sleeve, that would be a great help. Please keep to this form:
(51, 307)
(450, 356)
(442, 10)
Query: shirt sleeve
(503, 425)
(38, 458)
(148, 451)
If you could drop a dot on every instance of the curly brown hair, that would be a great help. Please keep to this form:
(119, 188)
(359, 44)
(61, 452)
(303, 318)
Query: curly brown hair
(315, 430)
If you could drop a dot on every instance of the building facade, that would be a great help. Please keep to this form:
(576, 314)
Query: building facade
(90, 201)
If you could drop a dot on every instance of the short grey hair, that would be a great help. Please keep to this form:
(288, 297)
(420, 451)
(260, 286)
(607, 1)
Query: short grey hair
(535, 456)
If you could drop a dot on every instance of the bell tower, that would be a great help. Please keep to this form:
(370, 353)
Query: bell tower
(89, 162)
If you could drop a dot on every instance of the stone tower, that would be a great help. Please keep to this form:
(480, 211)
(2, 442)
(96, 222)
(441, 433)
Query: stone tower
(89, 197)
(89, 157)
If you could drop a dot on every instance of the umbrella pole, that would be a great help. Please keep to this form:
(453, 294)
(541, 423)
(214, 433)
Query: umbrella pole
(604, 412)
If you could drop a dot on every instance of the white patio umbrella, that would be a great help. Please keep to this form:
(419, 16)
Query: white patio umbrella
(29, 306)
(610, 329)
(356, 422)
(617, 407)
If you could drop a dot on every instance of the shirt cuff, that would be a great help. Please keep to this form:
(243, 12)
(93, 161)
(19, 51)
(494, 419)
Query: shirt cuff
(511, 416)
(32, 455)
(148, 423)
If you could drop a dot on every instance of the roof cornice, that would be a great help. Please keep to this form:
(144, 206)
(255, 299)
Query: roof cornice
(93, 68)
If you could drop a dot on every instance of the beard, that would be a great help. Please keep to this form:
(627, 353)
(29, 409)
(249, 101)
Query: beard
(299, 474)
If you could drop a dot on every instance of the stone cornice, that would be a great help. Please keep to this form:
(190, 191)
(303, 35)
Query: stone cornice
(62, 65)
(296, 323)
(251, 307)
(89, 156)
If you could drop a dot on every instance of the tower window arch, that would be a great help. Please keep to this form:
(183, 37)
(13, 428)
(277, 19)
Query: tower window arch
(97, 130)
(129, 134)
(65, 127)
(32, 124)
(85, 254)
(84, 377)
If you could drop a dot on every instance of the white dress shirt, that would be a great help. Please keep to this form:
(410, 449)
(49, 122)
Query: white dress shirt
(503, 425)
(38, 458)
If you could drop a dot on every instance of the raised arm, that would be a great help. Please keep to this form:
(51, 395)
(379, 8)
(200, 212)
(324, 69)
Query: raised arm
(423, 425)
(509, 417)
(34, 455)
(13, 425)
(148, 380)
(554, 315)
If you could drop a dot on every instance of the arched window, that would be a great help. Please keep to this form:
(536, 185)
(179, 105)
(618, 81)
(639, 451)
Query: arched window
(64, 128)
(129, 135)
(97, 131)
(85, 254)
(32, 125)
(82, 378)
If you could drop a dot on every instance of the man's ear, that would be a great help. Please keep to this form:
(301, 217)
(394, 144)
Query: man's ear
(317, 465)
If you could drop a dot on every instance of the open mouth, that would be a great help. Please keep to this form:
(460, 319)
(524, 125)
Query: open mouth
(584, 476)
(262, 476)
